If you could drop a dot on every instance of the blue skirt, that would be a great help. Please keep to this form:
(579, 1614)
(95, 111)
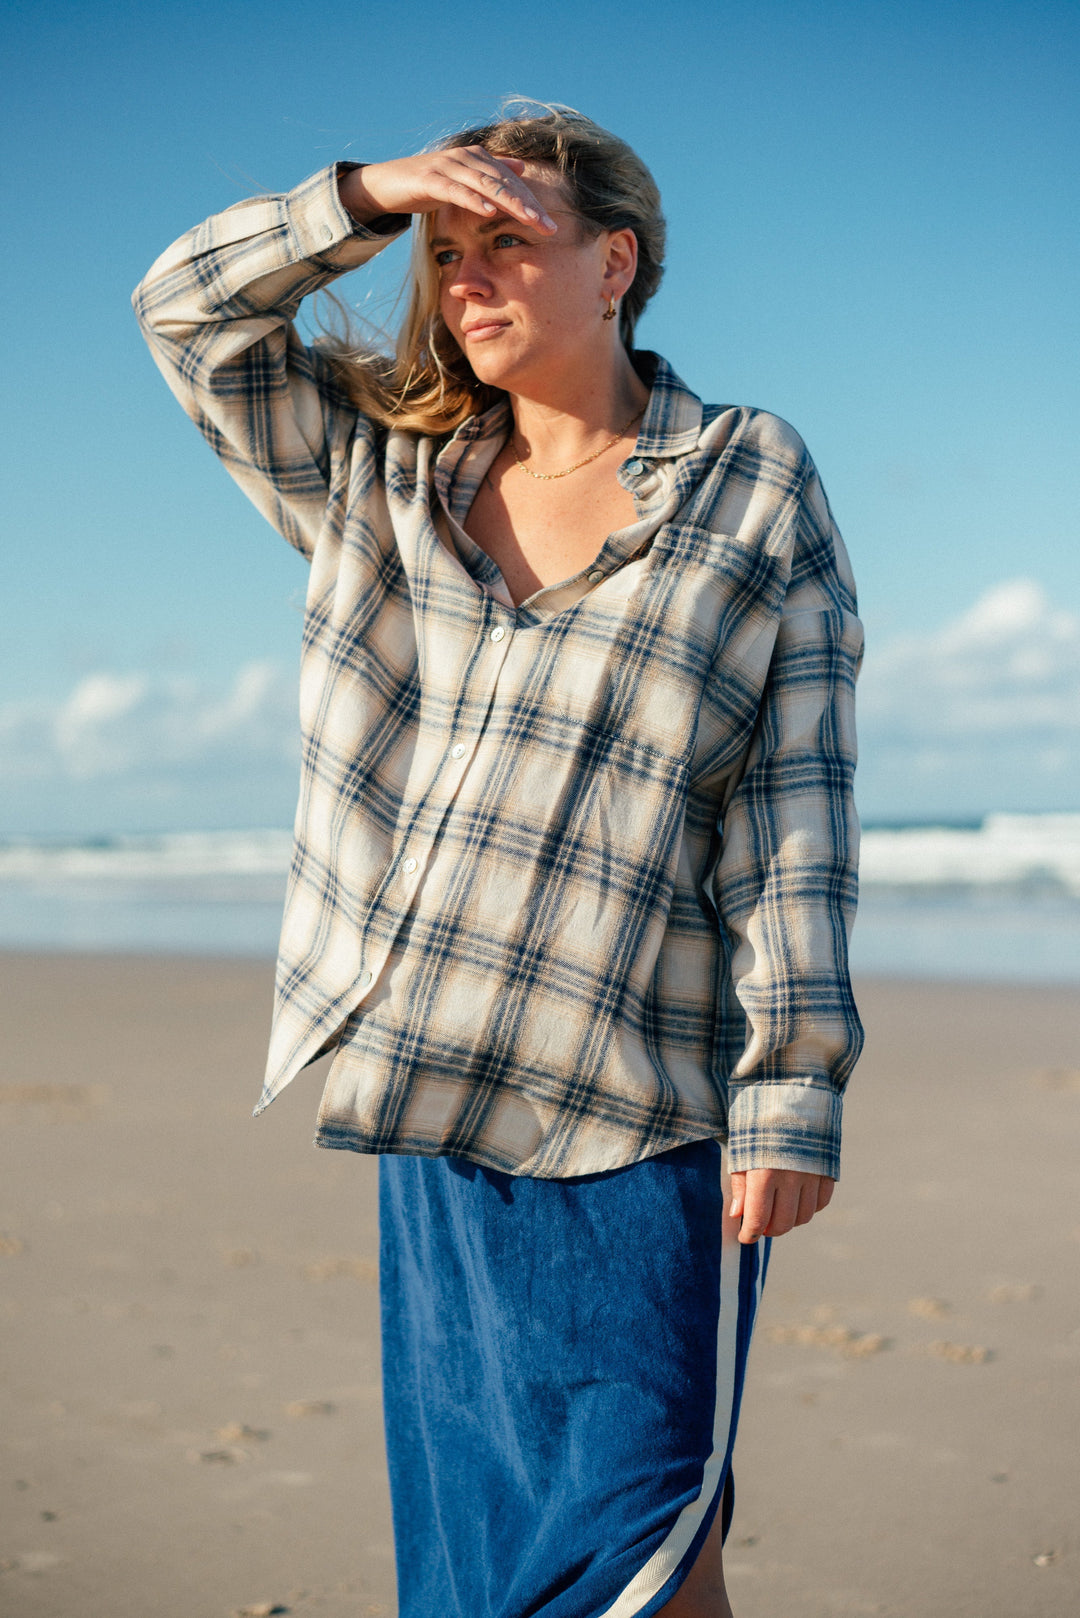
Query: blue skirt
(562, 1367)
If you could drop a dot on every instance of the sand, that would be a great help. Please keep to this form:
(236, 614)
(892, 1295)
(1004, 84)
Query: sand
(188, 1317)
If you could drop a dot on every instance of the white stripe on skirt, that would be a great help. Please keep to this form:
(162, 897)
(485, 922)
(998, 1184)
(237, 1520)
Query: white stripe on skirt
(662, 1564)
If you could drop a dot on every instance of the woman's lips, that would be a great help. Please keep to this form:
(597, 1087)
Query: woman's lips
(483, 329)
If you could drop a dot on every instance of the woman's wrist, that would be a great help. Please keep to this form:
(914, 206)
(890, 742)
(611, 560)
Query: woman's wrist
(361, 206)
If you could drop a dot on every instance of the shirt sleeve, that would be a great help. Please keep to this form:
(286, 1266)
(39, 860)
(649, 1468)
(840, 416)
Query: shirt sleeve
(785, 883)
(217, 309)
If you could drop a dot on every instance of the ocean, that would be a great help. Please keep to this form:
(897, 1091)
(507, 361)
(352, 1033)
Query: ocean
(993, 900)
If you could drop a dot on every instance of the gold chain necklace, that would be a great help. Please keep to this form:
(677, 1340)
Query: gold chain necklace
(546, 477)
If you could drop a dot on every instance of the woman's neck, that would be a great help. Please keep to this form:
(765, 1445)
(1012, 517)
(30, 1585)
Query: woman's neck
(569, 419)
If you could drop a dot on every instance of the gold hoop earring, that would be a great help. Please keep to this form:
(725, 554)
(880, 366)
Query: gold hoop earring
(610, 312)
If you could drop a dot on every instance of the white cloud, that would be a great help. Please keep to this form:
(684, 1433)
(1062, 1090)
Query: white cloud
(149, 748)
(1007, 667)
(981, 713)
(101, 697)
(117, 724)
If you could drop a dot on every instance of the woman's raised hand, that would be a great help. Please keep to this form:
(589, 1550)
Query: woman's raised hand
(463, 176)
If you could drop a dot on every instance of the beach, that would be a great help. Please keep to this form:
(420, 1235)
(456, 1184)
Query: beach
(190, 1408)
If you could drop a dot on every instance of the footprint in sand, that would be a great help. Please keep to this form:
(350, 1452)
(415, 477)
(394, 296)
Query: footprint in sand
(234, 1440)
(34, 1562)
(852, 1344)
(1057, 1078)
(960, 1353)
(928, 1308)
(1021, 1292)
(329, 1269)
(234, 1432)
(59, 1101)
(299, 1408)
(9, 1245)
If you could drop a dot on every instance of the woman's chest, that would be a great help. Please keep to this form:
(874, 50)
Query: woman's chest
(667, 649)
(541, 532)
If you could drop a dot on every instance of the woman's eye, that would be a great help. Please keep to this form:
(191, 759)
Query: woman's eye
(449, 255)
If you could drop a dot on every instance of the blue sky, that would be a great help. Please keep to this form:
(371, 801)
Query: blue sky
(871, 210)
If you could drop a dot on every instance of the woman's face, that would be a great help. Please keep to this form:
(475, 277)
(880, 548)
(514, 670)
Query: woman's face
(525, 308)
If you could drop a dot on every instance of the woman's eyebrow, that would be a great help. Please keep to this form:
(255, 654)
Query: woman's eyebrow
(497, 221)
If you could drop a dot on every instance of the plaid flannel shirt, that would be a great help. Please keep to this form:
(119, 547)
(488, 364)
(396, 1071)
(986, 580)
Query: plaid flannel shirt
(572, 881)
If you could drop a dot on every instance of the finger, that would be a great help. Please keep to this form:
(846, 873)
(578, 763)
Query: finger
(738, 1195)
(758, 1210)
(496, 185)
(784, 1209)
(505, 173)
(826, 1187)
(807, 1207)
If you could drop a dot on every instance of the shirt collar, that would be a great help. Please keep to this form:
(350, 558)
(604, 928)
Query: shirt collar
(672, 421)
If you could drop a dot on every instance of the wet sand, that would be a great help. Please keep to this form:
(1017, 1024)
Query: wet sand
(189, 1410)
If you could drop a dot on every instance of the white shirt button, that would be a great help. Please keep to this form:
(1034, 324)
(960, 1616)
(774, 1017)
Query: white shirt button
(595, 576)
(635, 468)
(409, 865)
(498, 632)
(458, 750)
(328, 232)
(365, 979)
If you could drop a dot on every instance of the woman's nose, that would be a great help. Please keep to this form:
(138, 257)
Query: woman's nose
(469, 278)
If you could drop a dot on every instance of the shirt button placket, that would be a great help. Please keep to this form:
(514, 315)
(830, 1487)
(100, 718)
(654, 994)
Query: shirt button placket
(498, 634)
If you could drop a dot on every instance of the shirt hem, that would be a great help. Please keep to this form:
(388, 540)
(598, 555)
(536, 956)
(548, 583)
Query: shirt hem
(343, 1139)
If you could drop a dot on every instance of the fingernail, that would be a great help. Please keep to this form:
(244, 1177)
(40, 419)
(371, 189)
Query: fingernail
(533, 213)
(489, 207)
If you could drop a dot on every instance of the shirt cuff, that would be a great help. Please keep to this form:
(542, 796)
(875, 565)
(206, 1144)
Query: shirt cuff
(787, 1125)
(321, 227)
(384, 224)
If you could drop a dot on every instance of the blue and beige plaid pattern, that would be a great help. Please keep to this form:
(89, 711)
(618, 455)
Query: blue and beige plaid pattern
(572, 883)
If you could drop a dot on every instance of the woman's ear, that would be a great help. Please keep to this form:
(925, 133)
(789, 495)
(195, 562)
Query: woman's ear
(620, 263)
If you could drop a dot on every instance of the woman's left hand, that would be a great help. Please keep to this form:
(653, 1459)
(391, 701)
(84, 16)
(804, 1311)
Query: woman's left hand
(771, 1202)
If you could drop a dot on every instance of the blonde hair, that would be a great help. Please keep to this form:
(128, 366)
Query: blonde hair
(428, 385)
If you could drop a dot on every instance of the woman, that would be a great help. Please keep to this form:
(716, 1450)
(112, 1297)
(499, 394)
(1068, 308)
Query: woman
(575, 849)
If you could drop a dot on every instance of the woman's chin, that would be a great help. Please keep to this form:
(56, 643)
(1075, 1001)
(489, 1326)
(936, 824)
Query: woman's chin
(493, 370)
(512, 373)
